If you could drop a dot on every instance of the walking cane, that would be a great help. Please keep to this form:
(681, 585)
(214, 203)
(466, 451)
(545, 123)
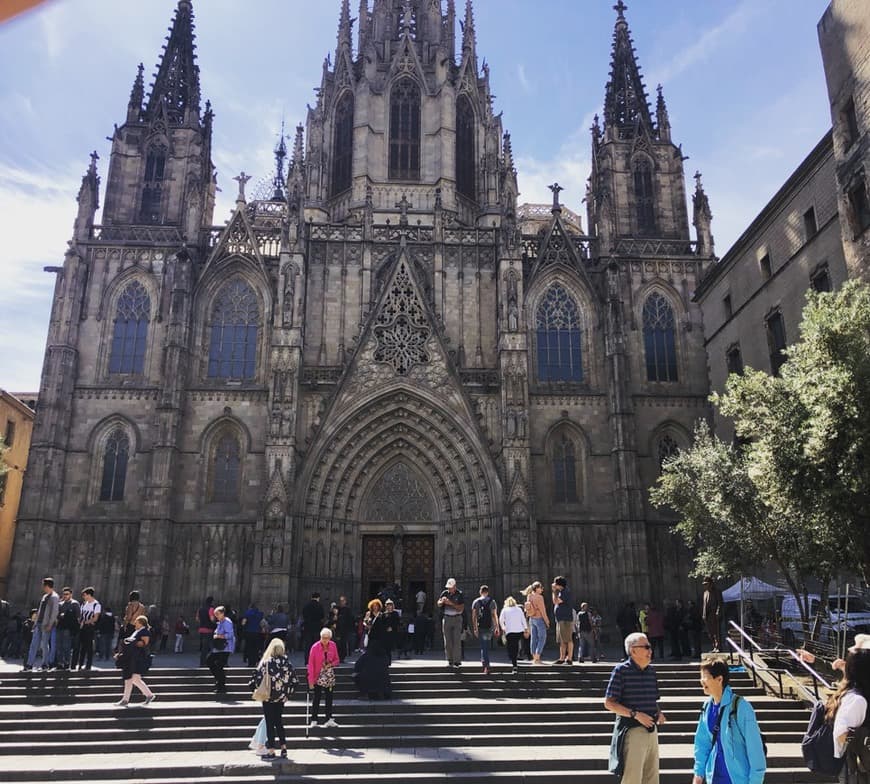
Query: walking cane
(307, 705)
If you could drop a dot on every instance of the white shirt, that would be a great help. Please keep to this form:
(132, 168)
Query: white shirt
(89, 610)
(850, 714)
(513, 619)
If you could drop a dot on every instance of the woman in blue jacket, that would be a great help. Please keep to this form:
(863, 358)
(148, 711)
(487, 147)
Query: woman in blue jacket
(728, 745)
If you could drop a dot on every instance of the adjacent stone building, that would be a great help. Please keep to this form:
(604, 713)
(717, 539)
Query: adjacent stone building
(844, 38)
(385, 370)
(753, 299)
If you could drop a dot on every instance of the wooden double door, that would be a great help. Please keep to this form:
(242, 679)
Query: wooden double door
(414, 554)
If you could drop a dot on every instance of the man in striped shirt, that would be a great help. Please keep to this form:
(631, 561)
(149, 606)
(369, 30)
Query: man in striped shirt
(633, 695)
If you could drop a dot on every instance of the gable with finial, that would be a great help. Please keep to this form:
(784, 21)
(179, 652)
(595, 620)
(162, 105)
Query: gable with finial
(277, 490)
(344, 73)
(237, 239)
(642, 143)
(406, 63)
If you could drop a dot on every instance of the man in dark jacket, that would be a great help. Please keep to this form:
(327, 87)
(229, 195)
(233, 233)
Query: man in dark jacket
(312, 622)
(67, 628)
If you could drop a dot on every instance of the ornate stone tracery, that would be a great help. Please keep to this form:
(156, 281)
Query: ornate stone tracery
(399, 496)
(402, 329)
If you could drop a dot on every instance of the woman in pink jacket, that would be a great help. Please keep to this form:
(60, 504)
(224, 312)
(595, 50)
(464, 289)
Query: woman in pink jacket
(322, 661)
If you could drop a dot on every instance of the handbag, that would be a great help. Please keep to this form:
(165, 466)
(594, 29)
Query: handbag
(326, 678)
(263, 692)
(218, 643)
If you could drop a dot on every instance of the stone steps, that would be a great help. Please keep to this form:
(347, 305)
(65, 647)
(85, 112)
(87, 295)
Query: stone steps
(548, 721)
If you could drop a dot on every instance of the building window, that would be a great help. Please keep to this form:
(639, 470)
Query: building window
(668, 450)
(565, 471)
(820, 280)
(810, 227)
(405, 131)
(9, 436)
(3, 489)
(342, 145)
(234, 328)
(130, 334)
(558, 332)
(726, 303)
(776, 341)
(764, 266)
(734, 360)
(115, 455)
(465, 174)
(643, 198)
(850, 124)
(860, 207)
(152, 187)
(659, 339)
(226, 472)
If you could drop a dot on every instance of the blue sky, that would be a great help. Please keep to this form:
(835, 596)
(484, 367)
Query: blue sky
(743, 81)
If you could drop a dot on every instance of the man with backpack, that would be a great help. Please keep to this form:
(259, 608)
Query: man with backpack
(484, 624)
(585, 639)
(206, 624)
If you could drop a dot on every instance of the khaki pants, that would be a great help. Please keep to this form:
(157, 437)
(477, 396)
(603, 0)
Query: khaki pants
(452, 628)
(641, 754)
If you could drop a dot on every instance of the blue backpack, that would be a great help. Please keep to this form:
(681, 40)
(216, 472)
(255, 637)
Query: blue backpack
(817, 745)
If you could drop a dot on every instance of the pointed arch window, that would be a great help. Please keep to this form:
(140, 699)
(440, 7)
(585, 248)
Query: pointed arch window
(226, 470)
(234, 331)
(668, 449)
(565, 471)
(659, 339)
(115, 455)
(405, 130)
(342, 144)
(152, 185)
(465, 170)
(558, 337)
(130, 333)
(643, 197)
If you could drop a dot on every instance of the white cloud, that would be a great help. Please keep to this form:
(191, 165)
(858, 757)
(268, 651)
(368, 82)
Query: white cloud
(524, 80)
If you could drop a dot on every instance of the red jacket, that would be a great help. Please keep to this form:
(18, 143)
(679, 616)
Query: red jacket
(316, 657)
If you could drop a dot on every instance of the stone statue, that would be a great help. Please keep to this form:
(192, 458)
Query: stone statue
(289, 294)
(398, 554)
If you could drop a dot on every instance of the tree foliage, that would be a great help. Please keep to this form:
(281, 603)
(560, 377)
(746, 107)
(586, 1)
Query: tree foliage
(797, 491)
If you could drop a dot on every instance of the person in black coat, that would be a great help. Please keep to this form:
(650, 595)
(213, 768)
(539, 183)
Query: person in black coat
(371, 671)
(134, 659)
(313, 616)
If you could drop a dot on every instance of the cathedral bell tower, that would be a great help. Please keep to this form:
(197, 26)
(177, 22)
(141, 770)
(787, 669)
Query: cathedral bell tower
(160, 170)
(404, 116)
(637, 183)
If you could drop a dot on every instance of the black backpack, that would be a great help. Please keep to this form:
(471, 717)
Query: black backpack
(484, 613)
(817, 745)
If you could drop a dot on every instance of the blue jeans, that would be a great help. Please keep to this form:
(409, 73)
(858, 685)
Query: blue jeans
(64, 647)
(539, 635)
(485, 636)
(42, 641)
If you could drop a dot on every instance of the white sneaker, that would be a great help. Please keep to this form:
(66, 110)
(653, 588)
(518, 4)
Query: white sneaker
(313, 723)
(330, 723)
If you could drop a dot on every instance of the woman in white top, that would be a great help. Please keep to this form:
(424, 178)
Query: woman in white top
(848, 705)
(514, 626)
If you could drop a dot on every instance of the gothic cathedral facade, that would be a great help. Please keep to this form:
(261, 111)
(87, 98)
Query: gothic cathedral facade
(385, 370)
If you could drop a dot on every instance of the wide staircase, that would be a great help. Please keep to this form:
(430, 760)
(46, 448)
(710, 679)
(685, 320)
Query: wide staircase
(547, 723)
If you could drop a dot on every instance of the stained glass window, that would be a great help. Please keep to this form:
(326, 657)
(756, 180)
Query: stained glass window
(465, 174)
(234, 328)
(405, 131)
(643, 198)
(659, 339)
(130, 335)
(668, 449)
(342, 144)
(559, 334)
(565, 471)
(226, 470)
(115, 455)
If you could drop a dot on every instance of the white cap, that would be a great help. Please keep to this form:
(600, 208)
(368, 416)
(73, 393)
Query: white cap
(451, 583)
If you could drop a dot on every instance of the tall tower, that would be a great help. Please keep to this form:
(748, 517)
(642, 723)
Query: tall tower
(406, 115)
(160, 170)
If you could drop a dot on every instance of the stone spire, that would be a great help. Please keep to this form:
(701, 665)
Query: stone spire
(450, 29)
(625, 99)
(176, 84)
(702, 219)
(363, 25)
(663, 122)
(469, 37)
(88, 200)
(508, 153)
(344, 27)
(280, 157)
(137, 96)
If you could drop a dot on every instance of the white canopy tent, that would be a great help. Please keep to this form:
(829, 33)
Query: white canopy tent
(751, 588)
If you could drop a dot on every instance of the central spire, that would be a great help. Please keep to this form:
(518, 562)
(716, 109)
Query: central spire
(625, 100)
(176, 83)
